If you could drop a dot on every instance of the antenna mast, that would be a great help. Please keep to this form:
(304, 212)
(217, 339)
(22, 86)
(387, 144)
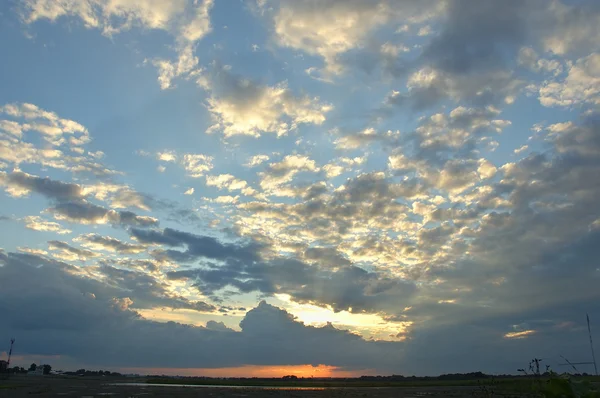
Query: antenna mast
(12, 342)
(591, 344)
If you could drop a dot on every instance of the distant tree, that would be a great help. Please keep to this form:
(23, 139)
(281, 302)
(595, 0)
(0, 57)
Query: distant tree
(290, 377)
(32, 367)
(47, 369)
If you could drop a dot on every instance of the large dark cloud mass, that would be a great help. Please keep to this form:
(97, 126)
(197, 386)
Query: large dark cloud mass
(67, 314)
(70, 315)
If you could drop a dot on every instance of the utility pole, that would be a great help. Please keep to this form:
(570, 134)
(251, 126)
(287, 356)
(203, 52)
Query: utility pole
(591, 344)
(12, 342)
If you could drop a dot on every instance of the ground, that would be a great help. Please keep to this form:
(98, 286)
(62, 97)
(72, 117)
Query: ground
(22, 386)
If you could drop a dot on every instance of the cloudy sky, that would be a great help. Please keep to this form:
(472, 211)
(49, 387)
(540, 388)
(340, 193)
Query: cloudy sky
(337, 187)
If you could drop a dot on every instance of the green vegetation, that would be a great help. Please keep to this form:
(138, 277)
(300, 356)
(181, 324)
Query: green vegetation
(550, 384)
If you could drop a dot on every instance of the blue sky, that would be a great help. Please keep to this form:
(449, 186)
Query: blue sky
(368, 176)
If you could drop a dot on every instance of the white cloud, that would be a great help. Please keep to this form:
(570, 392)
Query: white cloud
(342, 165)
(110, 16)
(199, 25)
(486, 169)
(60, 144)
(197, 165)
(39, 224)
(226, 181)
(333, 170)
(11, 127)
(521, 149)
(226, 199)
(331, 28)
(66, 252)
(189, 191)
(166, 156)
(187, 21)
(169, 70)
(284, 171)
(241, 107)
(53, 129)
(109, 244)
(582, 85)
(256, 160)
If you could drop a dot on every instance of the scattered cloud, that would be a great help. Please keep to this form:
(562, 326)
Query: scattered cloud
(109, 244)
(256, 160)
(394, 199)
(39, 224)
(242, 107)
(580, 87)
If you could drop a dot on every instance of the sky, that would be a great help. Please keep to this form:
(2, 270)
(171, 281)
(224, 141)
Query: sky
(323, 188)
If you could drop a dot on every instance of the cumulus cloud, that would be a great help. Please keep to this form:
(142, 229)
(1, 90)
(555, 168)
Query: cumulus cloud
(61, 146)
(187, 21)
(109, 244)
(39, 224)
(20, 184)
(88, 213)
(529, 58)
(66, 252)
(281, 172)
(243, 107)
(580, 87)
(331, 28)
(196, 165)
(54, 129)
(366, 137)
(256, 160)
(226, 181)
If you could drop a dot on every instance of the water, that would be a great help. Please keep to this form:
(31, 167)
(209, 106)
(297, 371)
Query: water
(224, 386)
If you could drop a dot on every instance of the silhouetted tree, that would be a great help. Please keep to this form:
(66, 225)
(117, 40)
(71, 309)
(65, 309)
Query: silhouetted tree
(47, 369)
(32, 367)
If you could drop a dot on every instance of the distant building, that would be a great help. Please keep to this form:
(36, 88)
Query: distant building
(39, 371)
(3, 366)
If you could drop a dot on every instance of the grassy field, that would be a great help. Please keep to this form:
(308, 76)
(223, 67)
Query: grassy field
(552, 386)
(70, 386)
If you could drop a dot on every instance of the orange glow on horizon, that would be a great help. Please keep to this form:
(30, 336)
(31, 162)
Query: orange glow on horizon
(261, 371)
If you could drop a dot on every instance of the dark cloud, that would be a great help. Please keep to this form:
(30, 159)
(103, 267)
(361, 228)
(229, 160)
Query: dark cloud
(473, 56)
(344, 287)
(52, 189)
(147, 291)
(479, 35)
(197, 246)
(88, 213)
(59, 318)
